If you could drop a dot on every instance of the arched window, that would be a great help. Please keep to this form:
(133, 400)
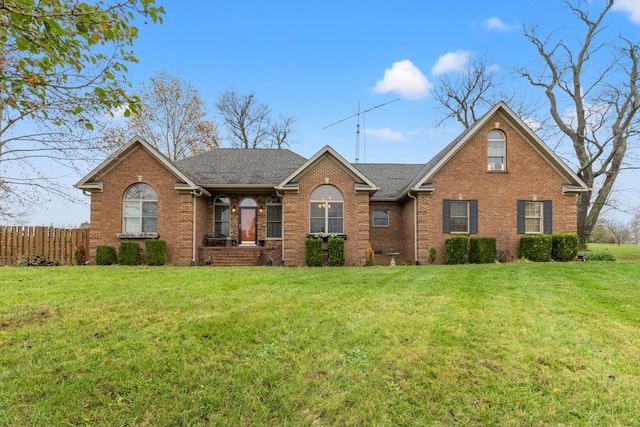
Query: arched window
(140, 209)
(221, 216)
(326, 213)
(274, 217)
(496, 150)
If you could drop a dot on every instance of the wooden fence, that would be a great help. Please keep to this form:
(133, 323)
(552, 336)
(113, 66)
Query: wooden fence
(54, 244)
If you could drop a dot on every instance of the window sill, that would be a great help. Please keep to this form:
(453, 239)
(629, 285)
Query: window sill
(137, 235)
(326, 236)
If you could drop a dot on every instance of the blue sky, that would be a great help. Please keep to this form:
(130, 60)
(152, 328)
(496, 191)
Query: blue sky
(319, 61)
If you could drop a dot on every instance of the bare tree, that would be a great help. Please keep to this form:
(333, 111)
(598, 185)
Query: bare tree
(246, 118)
(622, 231)
(249, 122)
(597, 81)
(172, 117)
(466, 96)
(281, 131)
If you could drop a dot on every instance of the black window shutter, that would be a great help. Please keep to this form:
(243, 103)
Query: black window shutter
(446, 216)
(520, 216)
(548, 217)
(473, 216)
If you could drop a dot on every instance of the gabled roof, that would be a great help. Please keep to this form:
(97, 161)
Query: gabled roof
(93, 180)
(573, 183)
(362, 182)
(233, 167)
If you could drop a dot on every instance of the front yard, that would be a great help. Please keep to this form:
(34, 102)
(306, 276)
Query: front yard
(503, 344)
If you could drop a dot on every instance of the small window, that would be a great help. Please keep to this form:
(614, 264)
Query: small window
(221, 216)
(140, 209)
(459, 216)
(496, 147)
(381, 217)
(274, 218)
(533, 217)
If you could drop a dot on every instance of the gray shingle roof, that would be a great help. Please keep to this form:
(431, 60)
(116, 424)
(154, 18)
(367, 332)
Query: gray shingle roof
(232, 166)
(392, 179)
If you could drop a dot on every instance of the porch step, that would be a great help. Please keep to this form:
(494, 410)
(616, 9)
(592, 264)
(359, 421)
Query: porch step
(232, 256)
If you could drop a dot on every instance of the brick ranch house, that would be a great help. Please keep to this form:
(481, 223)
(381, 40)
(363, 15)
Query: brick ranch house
(251, 207)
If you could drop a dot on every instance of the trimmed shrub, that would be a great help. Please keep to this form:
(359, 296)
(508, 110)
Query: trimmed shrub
(536, 248)
(155, 251)
(335, 249)
(433, 255)
(564, 247)
(457, 249)
(129, 253)
(482, 250)
(106, 255)
(313, 252)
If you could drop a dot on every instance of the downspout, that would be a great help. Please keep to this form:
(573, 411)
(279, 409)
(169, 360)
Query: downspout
(195, 193)
(415, 226)
(283, 223)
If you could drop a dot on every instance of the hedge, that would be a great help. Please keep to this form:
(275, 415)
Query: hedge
(457, 249)
(335, 249)
(536, 248)
(564, 247)
(313, 252)
(129, 253)
(106, 255)
(482, 250)
(155, 252)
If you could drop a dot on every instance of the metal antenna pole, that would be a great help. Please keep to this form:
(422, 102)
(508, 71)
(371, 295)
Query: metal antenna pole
(358, 123)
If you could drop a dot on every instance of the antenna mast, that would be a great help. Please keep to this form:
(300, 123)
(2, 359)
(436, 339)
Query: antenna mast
(358, 123)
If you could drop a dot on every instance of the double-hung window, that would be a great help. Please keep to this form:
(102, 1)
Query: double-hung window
(274, 218)
(460, 216)
(221, 216)
(326, 210)
(535, 217)
(496, 149)
(140, 209)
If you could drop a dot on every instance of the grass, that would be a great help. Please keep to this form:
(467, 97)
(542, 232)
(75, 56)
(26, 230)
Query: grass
(625, 252)
(503, 344)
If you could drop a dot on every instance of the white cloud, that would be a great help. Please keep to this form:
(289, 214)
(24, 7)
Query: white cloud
(386, 134)
(404, 79)
(496, 24)
(452, 61)
(630, 6)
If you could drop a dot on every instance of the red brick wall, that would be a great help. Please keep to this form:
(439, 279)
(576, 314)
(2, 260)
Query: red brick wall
(392, 238)
(174, 210)
(356, 212)
(528, 176)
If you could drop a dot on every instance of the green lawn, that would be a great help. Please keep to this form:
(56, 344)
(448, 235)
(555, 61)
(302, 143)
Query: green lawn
(501, 344)
(622, 252)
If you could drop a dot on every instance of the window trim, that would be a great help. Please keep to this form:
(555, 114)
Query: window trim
(373, 218)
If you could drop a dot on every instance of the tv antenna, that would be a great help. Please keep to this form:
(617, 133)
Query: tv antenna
(358, 124)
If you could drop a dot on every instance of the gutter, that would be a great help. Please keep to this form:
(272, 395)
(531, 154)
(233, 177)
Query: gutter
(283, 223)
(415, 227)
(195, 193)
